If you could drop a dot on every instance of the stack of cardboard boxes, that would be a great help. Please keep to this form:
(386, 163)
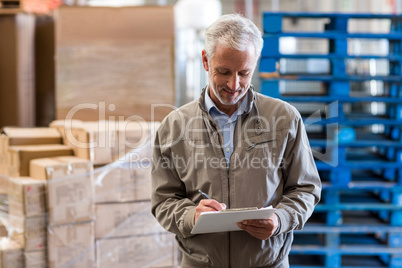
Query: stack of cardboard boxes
(124, 68)
(10, 253)
(70, 210)
(63, 212)
(124, 221)
(26, 220)
(126, 233)
(76, 190)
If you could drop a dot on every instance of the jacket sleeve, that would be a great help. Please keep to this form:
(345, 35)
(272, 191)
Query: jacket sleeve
(170, 206)
(302, 185)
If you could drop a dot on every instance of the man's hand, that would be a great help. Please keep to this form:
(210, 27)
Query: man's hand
(261, 229)
(208, 205)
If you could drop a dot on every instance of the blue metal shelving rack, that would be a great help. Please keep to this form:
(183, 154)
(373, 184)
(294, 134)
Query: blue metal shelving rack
(358, 222)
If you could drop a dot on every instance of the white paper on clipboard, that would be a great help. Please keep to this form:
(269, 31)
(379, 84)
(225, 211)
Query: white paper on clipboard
(225, 221)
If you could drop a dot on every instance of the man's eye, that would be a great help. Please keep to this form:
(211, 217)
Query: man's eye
(224, 73)
(244, 74)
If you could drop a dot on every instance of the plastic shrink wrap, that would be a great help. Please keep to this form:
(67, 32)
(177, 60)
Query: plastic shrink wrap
(70, 213)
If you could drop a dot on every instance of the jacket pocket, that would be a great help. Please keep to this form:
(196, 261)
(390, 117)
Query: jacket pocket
(268, 139)
(253, 145)
(267, 147)
(282, 243)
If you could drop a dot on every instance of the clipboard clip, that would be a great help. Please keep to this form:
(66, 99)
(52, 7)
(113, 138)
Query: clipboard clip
(238, 209)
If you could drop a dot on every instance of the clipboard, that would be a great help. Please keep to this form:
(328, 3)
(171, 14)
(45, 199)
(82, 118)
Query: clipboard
(226, 220)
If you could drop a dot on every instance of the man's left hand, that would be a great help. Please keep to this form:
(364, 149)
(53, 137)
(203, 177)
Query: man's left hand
(261, 229)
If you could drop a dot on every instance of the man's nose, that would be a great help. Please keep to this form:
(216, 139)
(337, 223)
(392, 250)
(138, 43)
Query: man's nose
(234, 82)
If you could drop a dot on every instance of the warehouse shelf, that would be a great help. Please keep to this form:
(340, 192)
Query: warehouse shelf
(353, 120)
(329, 78)
(310, 261)
(357, 255)
(391, 57)
(358, 165)
(331, 35)
(357, 120)
(377, 185)
(384, 142)
(372, 177)
(372, 197)
(277, 16)
(352, 165)
(373, 242)
(341, 260)
(377, 140)
(373, 206)
(360, 179)
(334, 236)
(339, 241)
(353, 158)
(338, 21)
(341, 99)
(331, 88)
(364, 218)
(355, 138)
(316, 228)
(360, 250)
(339, 214)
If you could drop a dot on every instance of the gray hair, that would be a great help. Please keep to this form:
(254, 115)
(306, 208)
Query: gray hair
(235, 31)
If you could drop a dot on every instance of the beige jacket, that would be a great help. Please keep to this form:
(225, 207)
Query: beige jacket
(271, 164)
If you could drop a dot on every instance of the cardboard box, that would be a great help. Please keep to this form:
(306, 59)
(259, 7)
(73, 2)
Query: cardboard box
(10, 254)
(3, 230)
(45, 69)
(26, 197)
(29, 232)
(70, 194)
(3, 184)
(17, 71)
(11, 136)
(97, 143)
(35, 259)
(3, 155)
(3, 206)
(135, 140)
(125, 219)
(71, 245)
(103, 142)
(114, 184)
(31, 136)
(20, 156)
(143, 181)
(158, 250)
(123, 182)
(90, 140)
(101, 58)
(63, 125)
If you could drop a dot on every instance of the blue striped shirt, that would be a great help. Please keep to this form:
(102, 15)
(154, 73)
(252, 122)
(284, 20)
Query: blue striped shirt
(225, 123)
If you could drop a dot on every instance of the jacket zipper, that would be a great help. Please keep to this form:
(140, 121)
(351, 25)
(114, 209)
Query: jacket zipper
(228, 176)
(257, 143)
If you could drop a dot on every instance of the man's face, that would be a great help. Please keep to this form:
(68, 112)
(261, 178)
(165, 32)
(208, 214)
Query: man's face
(229, 74)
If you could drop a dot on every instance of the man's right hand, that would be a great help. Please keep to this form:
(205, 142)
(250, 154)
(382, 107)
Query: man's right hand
(208, 205)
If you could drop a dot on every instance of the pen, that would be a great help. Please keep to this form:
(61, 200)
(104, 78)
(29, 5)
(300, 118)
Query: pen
(204, 194)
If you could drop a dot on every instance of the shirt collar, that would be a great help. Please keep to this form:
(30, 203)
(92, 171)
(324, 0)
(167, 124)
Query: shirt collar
(209, 104)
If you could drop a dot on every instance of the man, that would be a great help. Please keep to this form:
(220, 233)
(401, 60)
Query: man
(241, 148)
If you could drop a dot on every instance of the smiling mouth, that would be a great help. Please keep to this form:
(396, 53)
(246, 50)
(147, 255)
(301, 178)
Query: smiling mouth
(231, 92)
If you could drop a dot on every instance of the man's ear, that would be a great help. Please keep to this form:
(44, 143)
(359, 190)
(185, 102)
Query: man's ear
(205, 60)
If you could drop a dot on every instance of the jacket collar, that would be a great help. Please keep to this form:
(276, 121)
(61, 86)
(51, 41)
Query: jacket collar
(251, 103)
(242, 105)
(251, 99)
